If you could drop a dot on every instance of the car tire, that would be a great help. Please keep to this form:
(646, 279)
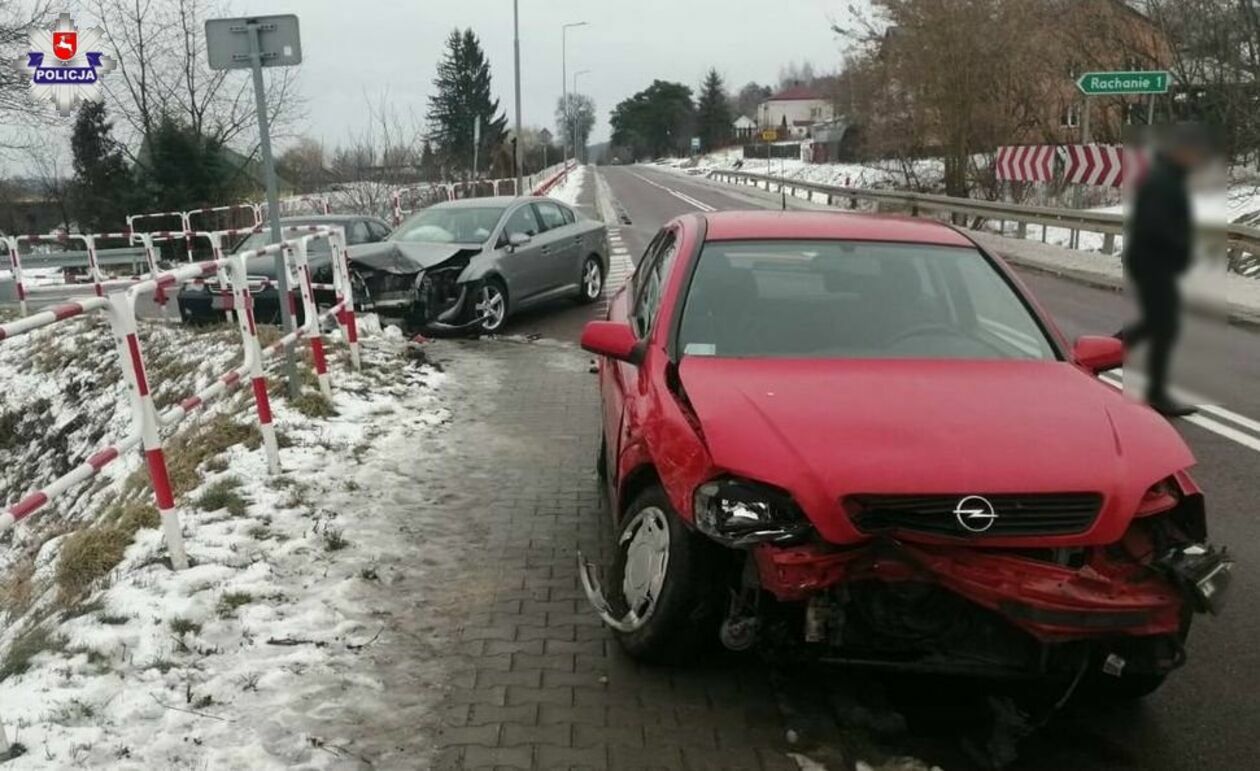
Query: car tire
(683, 618)
(591, 285)
(493, 288)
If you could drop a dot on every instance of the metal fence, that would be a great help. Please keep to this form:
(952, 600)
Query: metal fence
(1240, 238)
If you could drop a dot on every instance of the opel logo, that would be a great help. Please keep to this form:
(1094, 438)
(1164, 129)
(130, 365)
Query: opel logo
(975, 514)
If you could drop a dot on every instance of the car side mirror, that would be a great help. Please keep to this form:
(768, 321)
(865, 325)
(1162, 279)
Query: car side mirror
(1098, 354)
(517, 240)
(614, 339)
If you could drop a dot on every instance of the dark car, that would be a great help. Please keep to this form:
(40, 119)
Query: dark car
(467, 265)
(205, 301)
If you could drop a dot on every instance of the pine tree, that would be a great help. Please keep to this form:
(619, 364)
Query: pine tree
(102, 188)
(463, 95)
(713, 112)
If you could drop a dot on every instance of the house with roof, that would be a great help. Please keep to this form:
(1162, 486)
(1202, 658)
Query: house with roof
(794, 110)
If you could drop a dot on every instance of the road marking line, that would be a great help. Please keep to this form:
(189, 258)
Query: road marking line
(1216, 427)
(680, 196)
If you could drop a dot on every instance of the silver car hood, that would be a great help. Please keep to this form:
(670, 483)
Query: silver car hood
(406, 257)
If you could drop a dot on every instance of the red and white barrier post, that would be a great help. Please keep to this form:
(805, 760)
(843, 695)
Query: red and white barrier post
(253, 355)
(310, 325)
(15, 267)
(345, 294)
(122, 320)
(150, 258)
(4, 741)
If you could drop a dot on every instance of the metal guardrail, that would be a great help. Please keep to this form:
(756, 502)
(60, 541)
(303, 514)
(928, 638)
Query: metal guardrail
(78, 259)
(1240, 237)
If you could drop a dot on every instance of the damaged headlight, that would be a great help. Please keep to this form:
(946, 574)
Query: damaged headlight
(737, 512)
(1202, 572)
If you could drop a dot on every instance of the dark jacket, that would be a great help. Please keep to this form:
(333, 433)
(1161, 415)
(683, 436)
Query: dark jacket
(1160, 232)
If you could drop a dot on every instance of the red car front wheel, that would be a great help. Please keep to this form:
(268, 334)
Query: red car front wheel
(662, 582)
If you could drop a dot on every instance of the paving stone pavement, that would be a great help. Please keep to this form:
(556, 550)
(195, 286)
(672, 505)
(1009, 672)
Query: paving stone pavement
(532, 680)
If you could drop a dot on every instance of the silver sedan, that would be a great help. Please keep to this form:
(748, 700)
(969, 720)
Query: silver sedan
(468, 265)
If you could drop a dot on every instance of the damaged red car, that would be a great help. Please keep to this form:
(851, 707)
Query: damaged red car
(859, 440)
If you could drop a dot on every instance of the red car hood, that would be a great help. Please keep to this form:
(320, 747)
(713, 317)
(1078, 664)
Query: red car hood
(824, 429)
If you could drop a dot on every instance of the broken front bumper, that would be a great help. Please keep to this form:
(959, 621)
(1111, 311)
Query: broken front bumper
(1052, 602)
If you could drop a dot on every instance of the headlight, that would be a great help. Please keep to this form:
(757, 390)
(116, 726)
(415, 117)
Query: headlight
(1163, 496)
(737, 512)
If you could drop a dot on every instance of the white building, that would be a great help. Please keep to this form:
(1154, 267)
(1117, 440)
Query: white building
(793, 110)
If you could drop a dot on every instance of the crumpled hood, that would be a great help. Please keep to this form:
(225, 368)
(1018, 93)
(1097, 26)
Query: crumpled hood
(406, 257)
(827, 429)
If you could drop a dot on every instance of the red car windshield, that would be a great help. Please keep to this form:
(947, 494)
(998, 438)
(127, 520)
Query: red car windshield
(860, 300)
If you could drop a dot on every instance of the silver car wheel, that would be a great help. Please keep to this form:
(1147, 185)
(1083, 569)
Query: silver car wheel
(646, 544)
(493, 307)
(593, 280)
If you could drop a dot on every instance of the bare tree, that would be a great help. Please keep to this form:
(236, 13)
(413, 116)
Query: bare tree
(383, 157)
(17, 107)
(159, 47)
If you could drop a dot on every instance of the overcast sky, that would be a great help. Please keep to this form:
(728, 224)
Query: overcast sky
(356, 50)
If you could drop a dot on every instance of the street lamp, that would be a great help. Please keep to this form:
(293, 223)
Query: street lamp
(573, 113)
(516, 142)
(564, 76)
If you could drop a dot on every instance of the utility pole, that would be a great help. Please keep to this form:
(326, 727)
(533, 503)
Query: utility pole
(573, 132)
(564, 82)
(273, 205)
(516, 144)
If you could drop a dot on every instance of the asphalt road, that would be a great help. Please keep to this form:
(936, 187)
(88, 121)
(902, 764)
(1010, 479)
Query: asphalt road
(1208, 713)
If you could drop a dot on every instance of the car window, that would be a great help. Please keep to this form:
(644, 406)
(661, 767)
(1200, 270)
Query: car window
(523, 220)
(569, 216)
(652, 288)
(450, 225)
(855, 300)
(378, 230)
(357, 233)
(550, 215)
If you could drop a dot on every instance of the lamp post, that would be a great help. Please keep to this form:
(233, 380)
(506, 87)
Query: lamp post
(573, 114)
(564, 76)
(516, 144)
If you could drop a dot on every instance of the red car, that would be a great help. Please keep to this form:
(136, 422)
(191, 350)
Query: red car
(860, 440)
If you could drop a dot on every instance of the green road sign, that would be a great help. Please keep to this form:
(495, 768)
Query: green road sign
(1109, 83)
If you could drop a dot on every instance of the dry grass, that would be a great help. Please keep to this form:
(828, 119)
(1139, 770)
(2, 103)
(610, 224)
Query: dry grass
(92, 553)
(18, 588)
(224, 494)
(188, 450)
(28, 645)
(313, 405)
(86, 556)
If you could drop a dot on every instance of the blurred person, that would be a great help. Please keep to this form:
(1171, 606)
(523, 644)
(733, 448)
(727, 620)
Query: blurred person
(1158, 249)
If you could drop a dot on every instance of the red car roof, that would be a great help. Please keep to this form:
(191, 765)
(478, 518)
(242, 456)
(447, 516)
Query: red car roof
(744, 225)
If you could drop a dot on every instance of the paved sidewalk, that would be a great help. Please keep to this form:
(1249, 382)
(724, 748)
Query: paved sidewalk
(533, 679)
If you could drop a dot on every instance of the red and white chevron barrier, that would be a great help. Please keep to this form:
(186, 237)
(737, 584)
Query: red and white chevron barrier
(120, 309)
(1025, 163)
(1101, 165)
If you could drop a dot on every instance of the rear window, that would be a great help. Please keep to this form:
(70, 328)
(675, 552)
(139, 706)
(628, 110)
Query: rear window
(844, 299)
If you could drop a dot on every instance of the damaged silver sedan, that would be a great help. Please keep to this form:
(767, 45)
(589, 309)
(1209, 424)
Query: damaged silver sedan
(466, 266)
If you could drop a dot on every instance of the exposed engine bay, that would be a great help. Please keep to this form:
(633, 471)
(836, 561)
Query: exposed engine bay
(419, 284)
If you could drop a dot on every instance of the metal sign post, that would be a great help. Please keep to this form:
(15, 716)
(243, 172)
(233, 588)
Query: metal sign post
(476, 143)
(254, 43)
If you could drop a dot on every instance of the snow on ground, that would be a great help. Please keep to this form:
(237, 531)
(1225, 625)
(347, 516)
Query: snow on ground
(923, 174)
(231, 662)
(570, 188)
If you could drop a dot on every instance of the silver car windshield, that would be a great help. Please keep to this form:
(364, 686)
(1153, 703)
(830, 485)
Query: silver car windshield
(450, 225)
